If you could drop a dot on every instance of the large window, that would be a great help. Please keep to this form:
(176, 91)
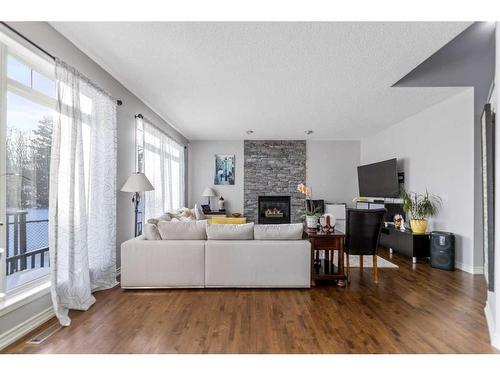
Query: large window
(27, 104)
(162, 161)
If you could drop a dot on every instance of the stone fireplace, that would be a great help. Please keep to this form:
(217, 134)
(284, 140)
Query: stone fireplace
(274, 169)
(274, 210)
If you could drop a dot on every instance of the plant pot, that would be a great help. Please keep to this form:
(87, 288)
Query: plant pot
(418, 226)
(312, 222)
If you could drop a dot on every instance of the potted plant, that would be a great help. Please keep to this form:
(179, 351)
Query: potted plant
(420, 207)
(311, 213)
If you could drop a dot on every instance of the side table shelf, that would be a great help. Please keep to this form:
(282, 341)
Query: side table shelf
(325, 269)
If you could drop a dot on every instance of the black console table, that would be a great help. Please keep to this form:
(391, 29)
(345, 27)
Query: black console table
(406, 243)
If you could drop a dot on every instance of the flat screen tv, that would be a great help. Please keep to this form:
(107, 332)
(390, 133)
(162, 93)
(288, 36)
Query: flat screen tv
(379, 180)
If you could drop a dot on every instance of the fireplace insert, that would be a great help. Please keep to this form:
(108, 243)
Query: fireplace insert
(274, 210)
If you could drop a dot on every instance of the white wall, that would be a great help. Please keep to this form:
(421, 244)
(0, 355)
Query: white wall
(492, 310)
(48, 38)
(435, 149)
(201, 161)
(332, 170)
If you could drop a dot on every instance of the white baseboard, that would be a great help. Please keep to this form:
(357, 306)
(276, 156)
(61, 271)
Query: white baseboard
(478, 270)
(490, 322)
(25, 327)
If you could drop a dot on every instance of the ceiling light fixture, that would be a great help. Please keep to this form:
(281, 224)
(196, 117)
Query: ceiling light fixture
(308, 132)
(249, 132)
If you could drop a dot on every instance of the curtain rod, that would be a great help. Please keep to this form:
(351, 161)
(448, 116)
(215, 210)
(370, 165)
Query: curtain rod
(118, 101)
(160, 129)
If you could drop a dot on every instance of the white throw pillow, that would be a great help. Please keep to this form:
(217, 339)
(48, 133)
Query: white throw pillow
(230, 231)
(165, 217)
(151, 232)
(198, 212)
(279, 232)
(183, 230)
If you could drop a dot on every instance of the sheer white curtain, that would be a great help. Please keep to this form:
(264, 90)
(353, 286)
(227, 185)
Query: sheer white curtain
(163, 165)
(82, 201)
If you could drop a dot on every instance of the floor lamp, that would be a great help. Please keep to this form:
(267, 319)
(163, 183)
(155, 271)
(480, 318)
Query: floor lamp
(137, 183)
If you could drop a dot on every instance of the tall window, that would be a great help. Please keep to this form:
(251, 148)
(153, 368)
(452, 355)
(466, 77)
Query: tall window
(162, 161)
(27, 104)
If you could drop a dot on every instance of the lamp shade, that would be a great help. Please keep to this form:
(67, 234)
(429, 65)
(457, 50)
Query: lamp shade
(208, 192)
(137, 182)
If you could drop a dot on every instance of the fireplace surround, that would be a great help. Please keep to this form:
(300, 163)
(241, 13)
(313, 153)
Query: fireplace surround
(273, 168)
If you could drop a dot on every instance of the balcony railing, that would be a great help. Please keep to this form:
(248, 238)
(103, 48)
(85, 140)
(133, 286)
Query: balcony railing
(27, 242)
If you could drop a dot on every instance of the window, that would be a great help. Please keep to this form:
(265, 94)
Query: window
(162, 161)
(27, 101)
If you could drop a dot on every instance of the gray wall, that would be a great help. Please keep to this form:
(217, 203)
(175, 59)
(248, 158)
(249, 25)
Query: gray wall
(201, 173)
(48, 38)
(332, 170)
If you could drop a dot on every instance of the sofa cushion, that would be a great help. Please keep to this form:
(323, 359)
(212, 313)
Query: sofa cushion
(230, 231)
(278, 232)
(183, 230)
(151, 232)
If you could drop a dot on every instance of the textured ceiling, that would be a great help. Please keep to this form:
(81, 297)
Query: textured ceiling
(217, 80)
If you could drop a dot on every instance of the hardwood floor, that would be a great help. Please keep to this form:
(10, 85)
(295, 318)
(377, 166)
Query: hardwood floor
(413, 309)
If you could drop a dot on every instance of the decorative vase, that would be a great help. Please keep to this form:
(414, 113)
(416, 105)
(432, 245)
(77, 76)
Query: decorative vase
(312, 222)
(327, 222)
(418, 226)
(221, 203)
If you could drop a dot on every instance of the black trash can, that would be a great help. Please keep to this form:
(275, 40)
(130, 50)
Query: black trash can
(443, 250)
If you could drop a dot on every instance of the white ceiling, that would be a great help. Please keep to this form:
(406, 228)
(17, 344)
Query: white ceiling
(217, 80)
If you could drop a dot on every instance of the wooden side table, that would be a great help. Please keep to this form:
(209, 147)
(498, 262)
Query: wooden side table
(325, 269)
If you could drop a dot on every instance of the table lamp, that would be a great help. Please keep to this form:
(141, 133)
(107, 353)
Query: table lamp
(208, 192)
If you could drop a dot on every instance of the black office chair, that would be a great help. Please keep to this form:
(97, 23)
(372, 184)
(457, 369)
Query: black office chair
(362, 235)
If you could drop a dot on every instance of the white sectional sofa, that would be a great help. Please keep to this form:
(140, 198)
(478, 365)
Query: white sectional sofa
(213, 262)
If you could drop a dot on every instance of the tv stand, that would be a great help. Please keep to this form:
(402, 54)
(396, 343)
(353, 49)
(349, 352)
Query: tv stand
(411, 245)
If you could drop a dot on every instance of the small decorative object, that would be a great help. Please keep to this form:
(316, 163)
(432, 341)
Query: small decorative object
(420, 207)
(326, 223)
(206, 208)
(236, 214)
(402, 228)
(224, 169)
(398, 219)
(311, 212)
(221, 203)
(331, 221)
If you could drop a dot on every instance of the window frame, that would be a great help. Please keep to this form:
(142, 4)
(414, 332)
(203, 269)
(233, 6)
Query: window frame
(11, 47)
